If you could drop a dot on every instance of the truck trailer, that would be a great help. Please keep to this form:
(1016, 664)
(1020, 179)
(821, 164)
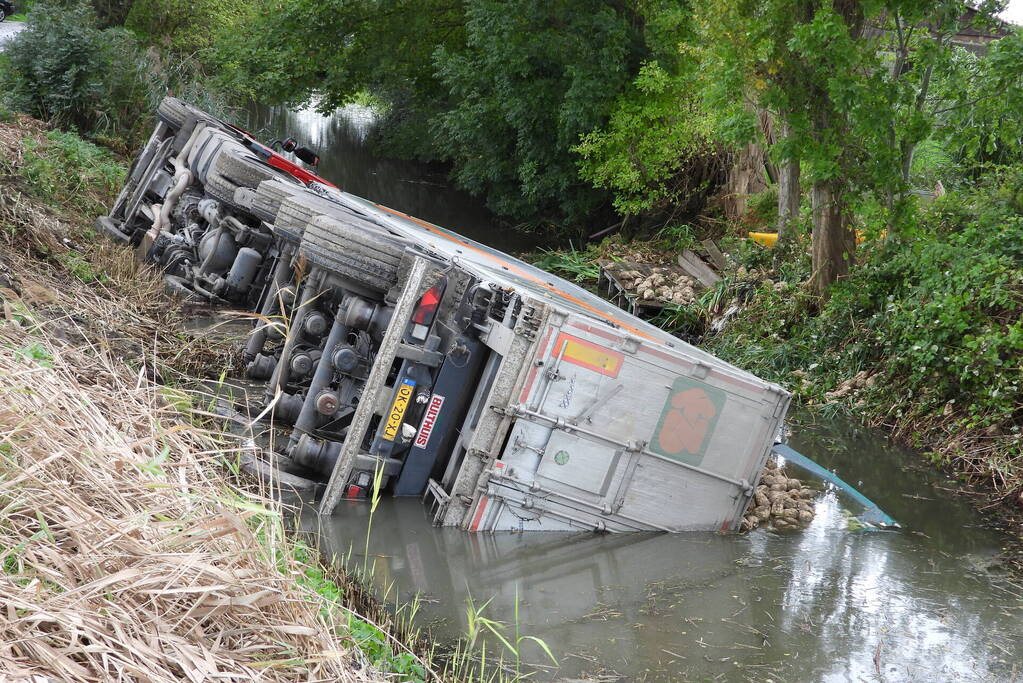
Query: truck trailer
(399, 355)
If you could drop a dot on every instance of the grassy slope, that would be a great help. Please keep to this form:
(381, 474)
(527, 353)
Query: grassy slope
(154, 556)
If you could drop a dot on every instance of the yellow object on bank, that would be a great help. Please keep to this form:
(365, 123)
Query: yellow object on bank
(768, 239)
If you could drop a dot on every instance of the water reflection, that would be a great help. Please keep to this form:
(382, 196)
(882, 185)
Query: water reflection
(418, 189)
(824, 604)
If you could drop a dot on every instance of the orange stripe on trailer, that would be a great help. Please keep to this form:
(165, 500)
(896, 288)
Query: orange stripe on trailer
(588, 355)
(475, 526)
(521, 273)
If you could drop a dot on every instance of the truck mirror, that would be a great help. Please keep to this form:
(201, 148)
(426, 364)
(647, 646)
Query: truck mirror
(307, 155)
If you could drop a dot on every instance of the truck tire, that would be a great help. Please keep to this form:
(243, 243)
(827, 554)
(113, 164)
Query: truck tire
(244, 169)
(173, 112)
(352, 253)
(221, 189)
(354, 239)
(296, 211)
(269, 195)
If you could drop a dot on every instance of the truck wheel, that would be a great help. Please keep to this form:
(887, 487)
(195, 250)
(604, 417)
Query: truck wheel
(221, 189)
(295, 212)
(233, 168)
(244, 171)
(173, 112)
(355, 239)
(266, 202)
(351, 252)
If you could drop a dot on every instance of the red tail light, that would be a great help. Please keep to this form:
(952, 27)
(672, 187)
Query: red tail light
(427, 308)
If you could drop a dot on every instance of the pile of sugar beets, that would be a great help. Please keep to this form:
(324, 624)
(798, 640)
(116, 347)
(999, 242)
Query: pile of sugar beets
(781, 502)
(662, 284)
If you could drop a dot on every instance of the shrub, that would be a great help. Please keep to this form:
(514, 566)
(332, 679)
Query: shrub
(65, 70)
(70, 172)
(933, 314)
(185, 28)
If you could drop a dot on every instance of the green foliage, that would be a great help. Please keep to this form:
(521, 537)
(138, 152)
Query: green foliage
(290, 51)
(185, 28)
(531, 80)
(934, 312)
(677, 238)
(64, 69)
(68, 171)
(570, 263)
(932, 163)
(762, 207)
(36, 353)
(980, 105)
(658, 146)
(855, 99)
(657, 136)
(80, 267)
(503, 91)
(373, 642)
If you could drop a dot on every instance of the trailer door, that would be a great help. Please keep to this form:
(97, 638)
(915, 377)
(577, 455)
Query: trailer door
(612, 433)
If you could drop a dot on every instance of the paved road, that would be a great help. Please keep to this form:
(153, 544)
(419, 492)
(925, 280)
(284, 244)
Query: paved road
(9, 29)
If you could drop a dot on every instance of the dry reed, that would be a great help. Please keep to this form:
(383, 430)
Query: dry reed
(125, 554)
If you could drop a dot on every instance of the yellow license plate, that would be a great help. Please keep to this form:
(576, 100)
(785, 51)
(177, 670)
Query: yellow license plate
(398, 408)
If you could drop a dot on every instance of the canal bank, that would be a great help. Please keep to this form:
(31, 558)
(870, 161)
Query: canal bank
(131, 548)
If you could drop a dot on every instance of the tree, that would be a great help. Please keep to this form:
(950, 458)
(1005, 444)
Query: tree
(978, 106)
(532, 78)
(657, 150)
(296, 51)
(838, 75)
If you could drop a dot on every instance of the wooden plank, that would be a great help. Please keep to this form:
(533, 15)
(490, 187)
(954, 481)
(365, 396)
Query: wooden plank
(694, 267)
(715, 254)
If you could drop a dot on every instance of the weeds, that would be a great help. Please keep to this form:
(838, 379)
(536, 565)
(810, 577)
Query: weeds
(69, 172)
(578, 266)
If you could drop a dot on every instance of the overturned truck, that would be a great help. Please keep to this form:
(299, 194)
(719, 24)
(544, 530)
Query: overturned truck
(399, 354)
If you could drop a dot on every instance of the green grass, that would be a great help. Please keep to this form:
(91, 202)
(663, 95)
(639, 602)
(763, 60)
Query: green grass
(571, 264)
(66, 171)
(80, 267)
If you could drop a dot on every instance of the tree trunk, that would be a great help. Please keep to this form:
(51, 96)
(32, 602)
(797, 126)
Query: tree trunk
(834, 241)
(788, 194)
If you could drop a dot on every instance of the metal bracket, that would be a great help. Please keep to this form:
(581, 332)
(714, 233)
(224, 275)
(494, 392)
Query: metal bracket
(377, 377)
(418, 354)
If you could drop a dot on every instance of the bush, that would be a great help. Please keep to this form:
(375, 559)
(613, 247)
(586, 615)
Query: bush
(65, 70)
(67, 171)
(185, 28)
(101, 82)
(933, 315)
(762, 208)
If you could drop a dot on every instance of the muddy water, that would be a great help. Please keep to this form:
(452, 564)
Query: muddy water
(825, 604)
(347, 160)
